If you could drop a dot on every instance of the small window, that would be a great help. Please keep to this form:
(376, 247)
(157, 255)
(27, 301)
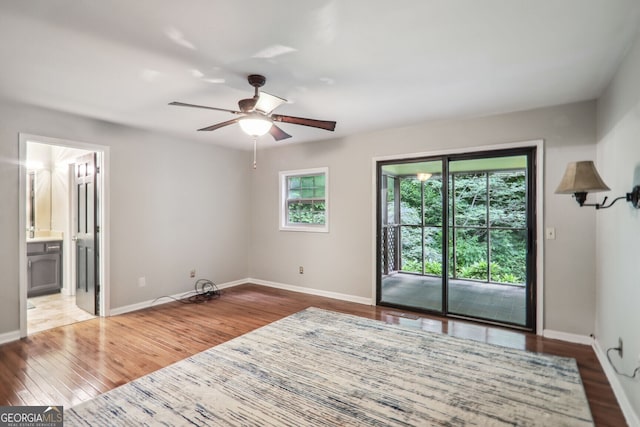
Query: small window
(304, 200)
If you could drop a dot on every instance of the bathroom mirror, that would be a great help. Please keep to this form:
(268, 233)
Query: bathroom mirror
(31, 211)
(38, 201)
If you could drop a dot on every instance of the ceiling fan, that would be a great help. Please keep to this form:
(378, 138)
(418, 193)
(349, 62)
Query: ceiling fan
(256, 116)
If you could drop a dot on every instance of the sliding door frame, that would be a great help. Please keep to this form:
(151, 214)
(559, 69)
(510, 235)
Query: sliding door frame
(530, 261)
(535, 168)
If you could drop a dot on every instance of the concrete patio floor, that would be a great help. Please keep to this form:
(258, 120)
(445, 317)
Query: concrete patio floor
(490, 301)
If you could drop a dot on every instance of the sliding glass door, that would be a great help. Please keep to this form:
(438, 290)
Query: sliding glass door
(411, 230)
(455, 235)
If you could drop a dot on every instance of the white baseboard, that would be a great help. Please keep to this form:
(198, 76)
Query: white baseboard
(311, 291)
(165, 299)
(614, 380)
(232, 284)
(145, 304)
(565, 336)
(9, 336)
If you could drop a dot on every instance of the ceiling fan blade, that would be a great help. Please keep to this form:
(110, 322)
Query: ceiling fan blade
(183, 104)
(267, 103)
(278, 134)
(221, 125)
(321, 124)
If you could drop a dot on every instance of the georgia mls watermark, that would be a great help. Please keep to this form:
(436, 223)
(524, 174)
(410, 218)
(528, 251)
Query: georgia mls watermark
(31, 416)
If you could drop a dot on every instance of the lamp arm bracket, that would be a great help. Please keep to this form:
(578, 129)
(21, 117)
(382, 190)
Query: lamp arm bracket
(633, 197)
(603, 205)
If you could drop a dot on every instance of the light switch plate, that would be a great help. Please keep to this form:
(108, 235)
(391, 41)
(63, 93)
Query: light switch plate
(550, 233)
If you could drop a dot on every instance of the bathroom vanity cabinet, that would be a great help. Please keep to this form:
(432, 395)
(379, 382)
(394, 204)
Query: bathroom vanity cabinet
(44, 267)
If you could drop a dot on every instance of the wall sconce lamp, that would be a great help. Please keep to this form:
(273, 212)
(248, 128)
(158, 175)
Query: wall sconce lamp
(582, 177)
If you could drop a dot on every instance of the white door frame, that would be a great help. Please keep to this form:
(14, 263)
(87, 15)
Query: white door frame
(103, 182)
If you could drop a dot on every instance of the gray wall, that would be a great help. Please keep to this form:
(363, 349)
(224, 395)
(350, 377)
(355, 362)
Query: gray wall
(341, 260)
(618, 228)
(175, 205)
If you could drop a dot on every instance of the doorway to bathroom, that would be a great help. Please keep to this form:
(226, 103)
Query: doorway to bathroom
(62, 278)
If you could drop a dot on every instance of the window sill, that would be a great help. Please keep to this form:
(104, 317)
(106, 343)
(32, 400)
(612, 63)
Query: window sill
(305, 228)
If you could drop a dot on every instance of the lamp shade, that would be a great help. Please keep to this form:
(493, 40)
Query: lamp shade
(255, 126)
(581, 177)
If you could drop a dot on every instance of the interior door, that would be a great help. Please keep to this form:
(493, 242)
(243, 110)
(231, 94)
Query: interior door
(86, 233)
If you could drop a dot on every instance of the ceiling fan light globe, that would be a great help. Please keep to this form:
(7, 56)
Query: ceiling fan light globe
(423, 176)
(255, 127)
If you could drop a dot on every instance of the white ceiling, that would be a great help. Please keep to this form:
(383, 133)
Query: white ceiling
(366, 64)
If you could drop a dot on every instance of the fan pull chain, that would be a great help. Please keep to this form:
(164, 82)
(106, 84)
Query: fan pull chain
(254, 152)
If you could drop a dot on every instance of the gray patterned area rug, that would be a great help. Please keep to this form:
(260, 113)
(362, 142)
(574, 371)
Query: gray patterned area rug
(320, 368)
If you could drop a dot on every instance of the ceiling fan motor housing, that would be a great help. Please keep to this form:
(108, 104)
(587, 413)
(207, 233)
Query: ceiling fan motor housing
(247, 105)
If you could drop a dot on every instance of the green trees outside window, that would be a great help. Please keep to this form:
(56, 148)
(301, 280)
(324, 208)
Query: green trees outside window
(306, 199)
(487, 223)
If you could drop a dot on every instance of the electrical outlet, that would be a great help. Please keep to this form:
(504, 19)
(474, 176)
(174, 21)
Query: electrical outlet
(301, 270)
(620, 347)
(142, 282)
(192, 273)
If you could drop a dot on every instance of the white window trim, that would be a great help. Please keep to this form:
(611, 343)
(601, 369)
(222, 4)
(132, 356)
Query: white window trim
(282, 176)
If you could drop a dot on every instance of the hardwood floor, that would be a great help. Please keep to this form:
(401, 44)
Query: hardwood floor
(70, 364)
